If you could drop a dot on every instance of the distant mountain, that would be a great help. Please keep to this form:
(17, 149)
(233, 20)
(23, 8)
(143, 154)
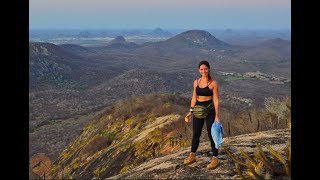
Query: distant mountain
(228, 30)
(118, 39)
(274, 49)
(60, 66)
(52, 64)
(185, 44)
(119, 42)
(196, 39)
(160, 32)
(276, 43)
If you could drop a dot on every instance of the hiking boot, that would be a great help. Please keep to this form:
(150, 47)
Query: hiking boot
(190, 159)
(213, 164)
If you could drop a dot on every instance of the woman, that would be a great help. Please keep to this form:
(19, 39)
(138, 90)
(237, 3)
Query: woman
(205, 91)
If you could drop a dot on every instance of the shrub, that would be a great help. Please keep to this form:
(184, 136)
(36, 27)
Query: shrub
(262, 166)
(281, 108)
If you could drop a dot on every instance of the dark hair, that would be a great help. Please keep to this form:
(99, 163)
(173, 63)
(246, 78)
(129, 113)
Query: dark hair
(208, 66)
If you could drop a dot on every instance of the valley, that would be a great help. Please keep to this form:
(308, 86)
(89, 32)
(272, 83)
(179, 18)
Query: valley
(73, 82)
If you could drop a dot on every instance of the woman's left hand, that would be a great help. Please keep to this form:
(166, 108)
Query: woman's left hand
(217, 120)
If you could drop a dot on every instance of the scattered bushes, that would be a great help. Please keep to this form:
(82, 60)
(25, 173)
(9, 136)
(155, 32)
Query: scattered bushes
(159, 104)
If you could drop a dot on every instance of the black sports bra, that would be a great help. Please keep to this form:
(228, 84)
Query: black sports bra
(203, 91)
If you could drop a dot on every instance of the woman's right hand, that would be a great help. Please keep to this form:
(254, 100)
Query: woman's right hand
(188, 117)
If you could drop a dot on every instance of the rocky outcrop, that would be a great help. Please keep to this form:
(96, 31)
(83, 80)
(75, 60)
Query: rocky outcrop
(171, 166)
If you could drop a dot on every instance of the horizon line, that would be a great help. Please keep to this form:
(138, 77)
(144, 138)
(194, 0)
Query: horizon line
(118, 28)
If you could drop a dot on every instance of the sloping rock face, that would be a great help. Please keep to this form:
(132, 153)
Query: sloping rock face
(171, 166)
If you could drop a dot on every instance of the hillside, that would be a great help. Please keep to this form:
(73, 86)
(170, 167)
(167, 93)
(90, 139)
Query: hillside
(62, 71)
(58, 67)
(273, 49)
(137, 130)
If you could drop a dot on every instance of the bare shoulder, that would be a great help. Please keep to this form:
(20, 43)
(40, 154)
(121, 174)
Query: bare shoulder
(214, 83)
(195, 83)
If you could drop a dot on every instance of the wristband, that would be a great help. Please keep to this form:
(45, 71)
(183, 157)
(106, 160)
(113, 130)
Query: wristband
(191, 110)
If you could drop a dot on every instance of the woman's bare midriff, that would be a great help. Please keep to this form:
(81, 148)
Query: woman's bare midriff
(204, 98)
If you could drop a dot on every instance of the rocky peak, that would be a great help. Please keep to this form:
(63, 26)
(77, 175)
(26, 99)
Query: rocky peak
(118, 39)
(194, 34)
(198, 38)
(120, 42)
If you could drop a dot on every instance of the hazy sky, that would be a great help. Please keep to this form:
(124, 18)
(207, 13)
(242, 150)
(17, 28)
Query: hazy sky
(150, 14)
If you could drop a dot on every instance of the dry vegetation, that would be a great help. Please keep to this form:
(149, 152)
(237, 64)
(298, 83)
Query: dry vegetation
(130, 133)
(270, 165)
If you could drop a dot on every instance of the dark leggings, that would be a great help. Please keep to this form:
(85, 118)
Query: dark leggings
(197, 125)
